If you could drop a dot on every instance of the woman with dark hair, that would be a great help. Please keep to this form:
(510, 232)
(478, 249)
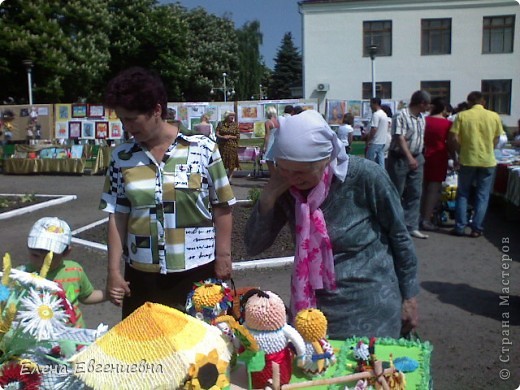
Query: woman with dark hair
(168, 200)
(228, 135)
(436, 160)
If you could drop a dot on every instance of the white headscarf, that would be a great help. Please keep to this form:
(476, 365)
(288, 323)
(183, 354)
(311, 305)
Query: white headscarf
(306, 137)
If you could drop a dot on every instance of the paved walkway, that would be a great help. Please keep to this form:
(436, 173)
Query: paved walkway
(463, 281)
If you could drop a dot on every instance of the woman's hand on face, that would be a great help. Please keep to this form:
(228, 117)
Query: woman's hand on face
(277, 184)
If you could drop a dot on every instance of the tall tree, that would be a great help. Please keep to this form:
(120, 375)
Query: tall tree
(212, 51)
(287, 70)
(250, 67)
(67, 42)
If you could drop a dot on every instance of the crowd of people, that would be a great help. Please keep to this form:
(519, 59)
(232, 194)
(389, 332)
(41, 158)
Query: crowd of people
(169, 199)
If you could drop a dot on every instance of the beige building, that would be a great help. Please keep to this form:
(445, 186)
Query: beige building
(448, 47)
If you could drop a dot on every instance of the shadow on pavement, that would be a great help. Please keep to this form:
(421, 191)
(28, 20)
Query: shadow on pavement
(474, 300)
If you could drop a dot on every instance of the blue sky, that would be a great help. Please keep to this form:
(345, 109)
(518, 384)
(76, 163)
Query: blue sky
(276, 17)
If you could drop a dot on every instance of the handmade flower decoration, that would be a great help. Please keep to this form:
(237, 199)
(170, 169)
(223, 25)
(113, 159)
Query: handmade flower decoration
(33, 314)
(12, 376)
(29, 280)
(41, 316)
(5, 292)
(209, 299)
(208, 372)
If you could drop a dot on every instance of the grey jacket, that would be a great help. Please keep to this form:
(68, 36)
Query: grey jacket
(374, 255)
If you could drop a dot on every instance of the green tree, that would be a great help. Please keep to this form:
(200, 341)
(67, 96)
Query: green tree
(212, 51)
(250, 67)
(130, 24)
(287, 70)
(67, 42)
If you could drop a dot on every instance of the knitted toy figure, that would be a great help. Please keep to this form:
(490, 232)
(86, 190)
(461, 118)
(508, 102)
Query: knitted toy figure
(265, 318)
(319, 354)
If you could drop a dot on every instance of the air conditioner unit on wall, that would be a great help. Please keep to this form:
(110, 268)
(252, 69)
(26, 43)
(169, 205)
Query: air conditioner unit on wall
(322, 87)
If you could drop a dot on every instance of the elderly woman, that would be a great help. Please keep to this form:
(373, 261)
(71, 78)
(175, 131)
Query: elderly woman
(354, 257)
(228, 134)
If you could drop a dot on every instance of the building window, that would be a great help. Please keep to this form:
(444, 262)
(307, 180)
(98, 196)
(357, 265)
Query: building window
(435, 36)
(437, 89)
(383, 90)
(497, 94)
(498, 34)
(378, 33)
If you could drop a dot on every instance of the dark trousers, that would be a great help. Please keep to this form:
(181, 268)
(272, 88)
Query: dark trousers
(168, 289)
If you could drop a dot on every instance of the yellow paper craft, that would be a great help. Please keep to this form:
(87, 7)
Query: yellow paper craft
(156, 347)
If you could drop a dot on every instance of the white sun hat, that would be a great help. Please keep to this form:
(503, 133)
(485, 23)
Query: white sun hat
(50, 233)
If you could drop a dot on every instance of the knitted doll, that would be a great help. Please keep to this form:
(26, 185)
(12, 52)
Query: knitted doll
(319, 354)
(265, 318)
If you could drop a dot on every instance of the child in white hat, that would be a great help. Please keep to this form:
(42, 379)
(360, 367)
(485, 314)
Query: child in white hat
(52, 234)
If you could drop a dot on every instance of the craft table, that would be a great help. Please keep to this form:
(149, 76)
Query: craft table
(28, 166)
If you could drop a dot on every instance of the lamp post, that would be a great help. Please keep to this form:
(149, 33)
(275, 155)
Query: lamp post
(372, 50)
(224, 88)
(224, 75)
(28, 64)
(261, 94)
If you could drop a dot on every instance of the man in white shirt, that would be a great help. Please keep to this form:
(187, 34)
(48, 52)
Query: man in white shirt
(378, 133)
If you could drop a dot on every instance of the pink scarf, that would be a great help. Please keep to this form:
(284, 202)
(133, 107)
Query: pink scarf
(313, 262)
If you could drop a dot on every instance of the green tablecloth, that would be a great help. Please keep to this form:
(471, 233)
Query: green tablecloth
(27, 166)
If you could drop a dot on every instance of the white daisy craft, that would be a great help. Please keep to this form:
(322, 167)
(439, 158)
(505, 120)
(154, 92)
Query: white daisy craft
(29, 280)
(41, 316)
(34, 315)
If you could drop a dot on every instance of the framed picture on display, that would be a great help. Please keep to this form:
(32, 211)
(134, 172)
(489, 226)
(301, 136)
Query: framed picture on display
(62, 130)
(248, 113)
(74, 129)
(96, 111)
(116, 130)
(62, 111)
(335, 111)
(101, 130)
(79, 110)
(111, 114)
(76, 151)
(87, 130)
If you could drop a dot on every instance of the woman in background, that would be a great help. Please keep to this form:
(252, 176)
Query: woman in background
(346, 131)
(435, 160)
(228, 135)
(271, 127)
(205, 127)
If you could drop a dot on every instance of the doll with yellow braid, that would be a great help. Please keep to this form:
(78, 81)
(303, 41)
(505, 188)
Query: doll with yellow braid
(319, 354)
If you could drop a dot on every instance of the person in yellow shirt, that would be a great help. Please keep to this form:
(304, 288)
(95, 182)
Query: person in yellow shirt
(473, 136)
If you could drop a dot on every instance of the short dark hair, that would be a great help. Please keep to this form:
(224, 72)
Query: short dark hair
(376, 100)
(348, 119)
(474, 97)
(289, 109)
(388, 111)
(419, 97)
(137, 89)
(438, 106)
